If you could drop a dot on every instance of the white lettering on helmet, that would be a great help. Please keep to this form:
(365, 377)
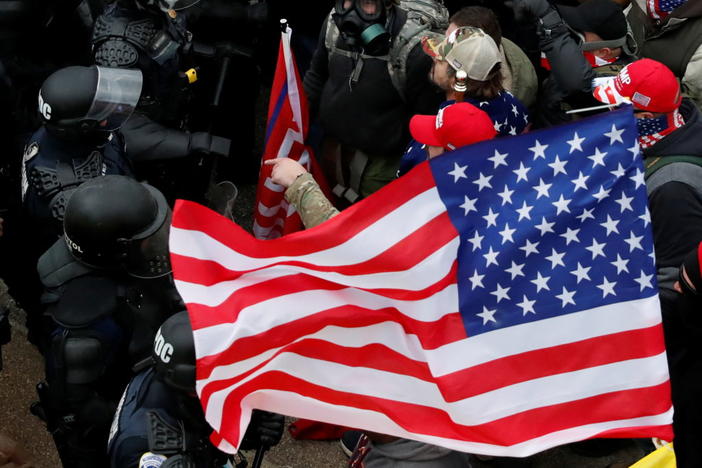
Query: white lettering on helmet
(44, 108)
(72, 245)
(162, 349)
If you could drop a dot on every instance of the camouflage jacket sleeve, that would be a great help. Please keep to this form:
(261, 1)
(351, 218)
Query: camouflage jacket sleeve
(307, 198)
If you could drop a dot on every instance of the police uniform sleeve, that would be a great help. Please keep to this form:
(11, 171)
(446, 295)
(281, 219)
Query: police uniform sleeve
(421, 94)
(307, 198)
(317, 75)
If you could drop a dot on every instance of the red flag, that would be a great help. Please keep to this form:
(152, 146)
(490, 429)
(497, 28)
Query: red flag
(286, 131)
(468, 304)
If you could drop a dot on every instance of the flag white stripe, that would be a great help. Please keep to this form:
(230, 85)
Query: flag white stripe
(300, 406)
(479, 409)
(422, 275)
(272, 186)
(475, 350)
(372, 241)
(257, 318)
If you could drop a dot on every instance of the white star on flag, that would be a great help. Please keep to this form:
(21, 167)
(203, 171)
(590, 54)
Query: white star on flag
(498, 159)
(469, 204)
(576, 143)
(539, 150)
(615, 135)
(458, 172)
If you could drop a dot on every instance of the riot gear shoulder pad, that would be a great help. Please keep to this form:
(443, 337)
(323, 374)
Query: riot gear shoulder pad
(57, 266)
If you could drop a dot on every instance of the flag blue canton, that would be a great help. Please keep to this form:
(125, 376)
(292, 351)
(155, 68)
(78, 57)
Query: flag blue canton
(552, 222)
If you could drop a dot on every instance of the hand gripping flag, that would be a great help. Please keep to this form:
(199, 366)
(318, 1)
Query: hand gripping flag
(499, 299)
(285, 138)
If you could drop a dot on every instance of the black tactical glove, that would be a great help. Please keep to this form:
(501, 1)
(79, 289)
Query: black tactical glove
(527, 9)
(265, 429)
(206, 143)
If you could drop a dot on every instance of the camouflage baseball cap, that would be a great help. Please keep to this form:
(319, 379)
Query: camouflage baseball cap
(468, 49)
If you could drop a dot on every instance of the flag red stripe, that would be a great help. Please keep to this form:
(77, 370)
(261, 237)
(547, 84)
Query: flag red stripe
(492, 375)
(203, 316)
(510, 430)
(304, 242)
(412, 250)
(345, 316)
(633, 344)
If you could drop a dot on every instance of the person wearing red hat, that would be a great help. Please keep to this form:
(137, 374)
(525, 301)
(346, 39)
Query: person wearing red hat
(654, 92)
(454, 126)
(670, 127)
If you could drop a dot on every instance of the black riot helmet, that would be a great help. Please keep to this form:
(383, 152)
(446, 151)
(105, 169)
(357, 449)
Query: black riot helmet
(114, 222)
(362, 24)
(79, 102)
(174, 353)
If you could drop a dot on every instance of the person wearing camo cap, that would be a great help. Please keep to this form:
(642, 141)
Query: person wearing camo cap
(473, 53)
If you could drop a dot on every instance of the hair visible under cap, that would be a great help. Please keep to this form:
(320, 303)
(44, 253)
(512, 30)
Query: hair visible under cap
(488, 89)
(479, 17)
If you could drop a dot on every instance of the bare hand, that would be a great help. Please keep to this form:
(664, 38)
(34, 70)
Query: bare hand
(285, 170)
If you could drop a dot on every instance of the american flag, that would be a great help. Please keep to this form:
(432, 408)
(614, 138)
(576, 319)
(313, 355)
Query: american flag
(660, 9)
(500, 299)
(286, 130)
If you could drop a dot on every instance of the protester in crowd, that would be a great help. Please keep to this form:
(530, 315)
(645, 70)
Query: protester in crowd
(363, 103)
(580, 44)
(455, 126)
(669, 128)
(471, 51)
(518, 74)
(671, 32)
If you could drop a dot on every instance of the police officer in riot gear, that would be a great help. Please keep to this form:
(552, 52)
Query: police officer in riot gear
(107, 289)
(81, 109)
(151, 35)
(160, 422)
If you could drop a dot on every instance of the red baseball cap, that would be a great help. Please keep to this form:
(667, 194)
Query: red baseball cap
(646, 84)
(454, 126)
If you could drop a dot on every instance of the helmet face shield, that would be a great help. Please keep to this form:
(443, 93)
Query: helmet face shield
(148, 255)
(118, 91)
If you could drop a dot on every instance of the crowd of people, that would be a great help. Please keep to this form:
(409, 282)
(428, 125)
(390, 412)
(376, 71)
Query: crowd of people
(120, 134)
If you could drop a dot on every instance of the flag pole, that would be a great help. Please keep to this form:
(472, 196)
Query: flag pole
(283, 25)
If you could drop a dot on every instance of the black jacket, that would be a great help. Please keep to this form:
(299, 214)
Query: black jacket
(571, 77)
(676, 205)
(370, 115)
